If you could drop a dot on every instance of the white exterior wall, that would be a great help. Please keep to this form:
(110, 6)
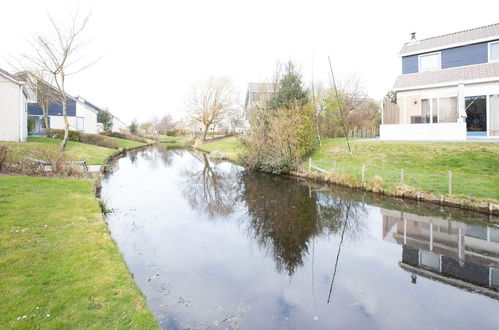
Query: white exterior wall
(423, 132)
(57, 122)
(13, 111)
(90, 121)
(434, 131)
(118, 125)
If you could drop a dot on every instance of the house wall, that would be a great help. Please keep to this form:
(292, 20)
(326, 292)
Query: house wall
(13, 117)
(57, 122)
(90, 121)
(410, 104)
(451, 57)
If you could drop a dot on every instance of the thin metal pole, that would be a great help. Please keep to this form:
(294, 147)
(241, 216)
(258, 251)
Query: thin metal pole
(339, 105)
(450, 183)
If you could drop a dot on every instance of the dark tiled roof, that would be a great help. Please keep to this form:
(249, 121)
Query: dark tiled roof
(11, 76)
(96, 108)
(451, 75)
(446, 40)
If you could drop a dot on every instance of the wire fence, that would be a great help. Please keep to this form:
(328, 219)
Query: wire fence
(443, 183)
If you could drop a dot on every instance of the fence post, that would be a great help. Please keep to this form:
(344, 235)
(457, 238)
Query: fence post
(450, 183)
(402, 175)
(334, 165)
(310, 164)
(363, 174)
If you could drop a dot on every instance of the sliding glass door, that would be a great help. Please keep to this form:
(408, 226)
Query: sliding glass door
(476, 112)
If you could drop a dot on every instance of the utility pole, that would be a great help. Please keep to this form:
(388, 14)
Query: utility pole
(339, 105)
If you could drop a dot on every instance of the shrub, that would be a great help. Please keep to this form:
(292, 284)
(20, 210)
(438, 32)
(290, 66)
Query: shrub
(4, 153)
(126, 136)
(28, 163)
(95, 139)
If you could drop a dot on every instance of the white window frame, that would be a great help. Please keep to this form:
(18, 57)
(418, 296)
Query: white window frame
(429, 54)
(488, 48)
(83, 121)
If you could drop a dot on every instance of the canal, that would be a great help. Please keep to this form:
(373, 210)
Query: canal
(213, 246)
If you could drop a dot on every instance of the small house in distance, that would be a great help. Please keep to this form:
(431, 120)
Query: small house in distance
(256, 93)
(13, 108)
(448, 90)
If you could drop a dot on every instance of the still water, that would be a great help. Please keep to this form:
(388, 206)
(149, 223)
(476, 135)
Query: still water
(212, 246)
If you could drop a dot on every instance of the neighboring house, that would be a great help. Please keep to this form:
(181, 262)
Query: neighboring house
(80, 116)
(119, 126)
(448, 90)
(13, 108)
(256, 94)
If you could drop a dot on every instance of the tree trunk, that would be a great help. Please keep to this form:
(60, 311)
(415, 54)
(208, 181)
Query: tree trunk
(66, 122)
(45, 110)
(205, 131)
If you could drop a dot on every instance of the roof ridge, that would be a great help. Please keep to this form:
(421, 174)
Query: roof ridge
(457, 32)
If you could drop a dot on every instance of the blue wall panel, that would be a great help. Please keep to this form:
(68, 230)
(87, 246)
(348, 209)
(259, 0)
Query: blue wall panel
(410, 64)
(55, 109)
(452, 57)
(465, 55)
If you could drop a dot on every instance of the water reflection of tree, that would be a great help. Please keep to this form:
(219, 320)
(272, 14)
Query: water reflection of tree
(285, 216)
(211, 189)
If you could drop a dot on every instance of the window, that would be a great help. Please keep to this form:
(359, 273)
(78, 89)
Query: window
(494, 51)
(447, 110)
(429, 62)
(80, 123)
(494, 115)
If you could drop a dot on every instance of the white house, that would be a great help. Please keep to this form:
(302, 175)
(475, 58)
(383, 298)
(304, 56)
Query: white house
(118, 125)
(448, 90)
(13, 108)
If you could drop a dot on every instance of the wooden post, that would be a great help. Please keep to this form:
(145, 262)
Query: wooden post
(363, 173)
(310, 164)
(402, 175)
(334, 165)
(450, 183)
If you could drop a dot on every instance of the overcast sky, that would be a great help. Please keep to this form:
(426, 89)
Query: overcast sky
(152, 51)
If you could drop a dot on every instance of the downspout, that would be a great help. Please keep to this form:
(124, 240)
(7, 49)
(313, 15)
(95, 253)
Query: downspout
(21, 113)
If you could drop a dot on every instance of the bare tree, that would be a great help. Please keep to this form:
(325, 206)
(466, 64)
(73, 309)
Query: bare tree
(59, 55)
(235, 117)
(209, 101)
(40, 84)
(165, 124)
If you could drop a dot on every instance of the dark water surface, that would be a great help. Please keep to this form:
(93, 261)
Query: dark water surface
(212, 246)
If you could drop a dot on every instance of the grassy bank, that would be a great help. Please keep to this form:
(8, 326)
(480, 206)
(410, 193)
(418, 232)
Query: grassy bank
(175, 141)
(474, 166)
(59, 268)
(79, 151)
(231, 147)
(89, 153)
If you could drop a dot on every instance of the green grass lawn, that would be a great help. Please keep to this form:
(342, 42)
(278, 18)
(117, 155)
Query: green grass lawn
(59, 267)
(89, 153)
(230, 146)
(474, 166)
(79, 151)
(123, 143)
(177, 141)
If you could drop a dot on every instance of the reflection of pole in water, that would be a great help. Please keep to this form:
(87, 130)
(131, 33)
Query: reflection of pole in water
(338, 254)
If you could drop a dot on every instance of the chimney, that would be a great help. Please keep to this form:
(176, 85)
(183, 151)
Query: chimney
(413, 36)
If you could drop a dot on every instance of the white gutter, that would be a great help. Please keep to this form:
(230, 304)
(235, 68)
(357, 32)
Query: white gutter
(445, 84)
(457, 44)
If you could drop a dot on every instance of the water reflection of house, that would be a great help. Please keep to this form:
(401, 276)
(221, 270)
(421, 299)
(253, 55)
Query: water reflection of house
(461, 254)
